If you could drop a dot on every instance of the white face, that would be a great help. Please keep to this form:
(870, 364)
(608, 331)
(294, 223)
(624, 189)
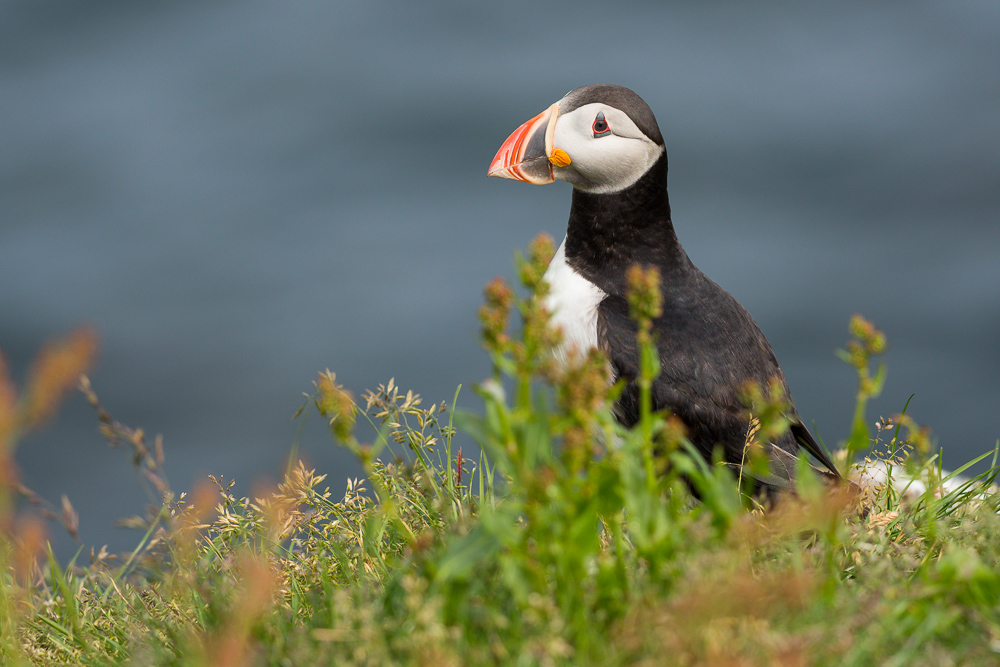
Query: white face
(602, 160)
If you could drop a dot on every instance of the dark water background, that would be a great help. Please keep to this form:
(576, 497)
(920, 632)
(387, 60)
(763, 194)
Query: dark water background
(238, 195)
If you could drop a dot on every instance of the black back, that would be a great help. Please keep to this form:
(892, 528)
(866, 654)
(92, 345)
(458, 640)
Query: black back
(708, 344)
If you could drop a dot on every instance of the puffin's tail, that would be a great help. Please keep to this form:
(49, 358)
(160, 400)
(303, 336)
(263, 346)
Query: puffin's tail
(808, 442)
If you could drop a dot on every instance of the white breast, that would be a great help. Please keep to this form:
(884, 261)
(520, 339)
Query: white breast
(573, 302)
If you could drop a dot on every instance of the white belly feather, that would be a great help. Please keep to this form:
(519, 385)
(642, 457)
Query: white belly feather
(573, 302)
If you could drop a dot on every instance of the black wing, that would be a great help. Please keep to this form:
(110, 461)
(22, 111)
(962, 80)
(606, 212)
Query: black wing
(706, 358)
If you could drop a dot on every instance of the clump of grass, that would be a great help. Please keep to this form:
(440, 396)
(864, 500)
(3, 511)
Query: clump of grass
(566, 539)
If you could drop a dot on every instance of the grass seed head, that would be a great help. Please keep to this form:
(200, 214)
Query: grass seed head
(56, 370)
(336, 403)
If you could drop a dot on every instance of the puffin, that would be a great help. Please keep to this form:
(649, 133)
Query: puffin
(604, 140)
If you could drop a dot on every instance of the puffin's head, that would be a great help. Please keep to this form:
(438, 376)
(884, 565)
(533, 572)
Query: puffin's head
(600, 138)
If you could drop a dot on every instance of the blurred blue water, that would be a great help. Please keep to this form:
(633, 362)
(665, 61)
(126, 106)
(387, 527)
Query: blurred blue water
(237, 196)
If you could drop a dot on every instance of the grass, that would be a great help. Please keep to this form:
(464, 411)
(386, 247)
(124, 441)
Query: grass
(549, 547)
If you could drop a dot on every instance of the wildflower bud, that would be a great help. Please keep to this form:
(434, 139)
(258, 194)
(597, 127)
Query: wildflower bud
(532, 269)
(872, 339)
(495, 313)
(541, 250)
(856, 355)
(644, 298)
(498, 294)
(877, 342)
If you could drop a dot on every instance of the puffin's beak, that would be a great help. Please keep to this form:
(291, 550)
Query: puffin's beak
(525, 155)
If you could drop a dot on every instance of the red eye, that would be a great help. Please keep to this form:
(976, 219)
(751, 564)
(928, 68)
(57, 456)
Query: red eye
(600, 126)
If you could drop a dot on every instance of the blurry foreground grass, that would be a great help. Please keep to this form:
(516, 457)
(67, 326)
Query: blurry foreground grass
(550, 547)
